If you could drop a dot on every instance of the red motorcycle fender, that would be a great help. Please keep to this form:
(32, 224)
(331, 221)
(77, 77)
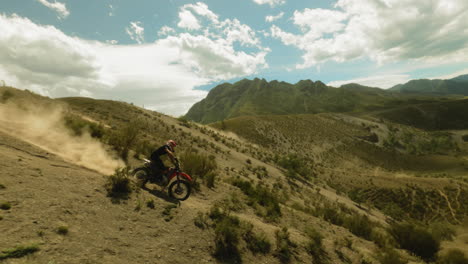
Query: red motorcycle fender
(184, 175)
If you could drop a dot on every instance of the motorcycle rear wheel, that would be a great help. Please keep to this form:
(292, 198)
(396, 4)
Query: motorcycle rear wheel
(180, 190)
(140, 176)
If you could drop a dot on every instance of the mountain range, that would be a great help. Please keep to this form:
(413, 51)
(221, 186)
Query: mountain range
(260, 97)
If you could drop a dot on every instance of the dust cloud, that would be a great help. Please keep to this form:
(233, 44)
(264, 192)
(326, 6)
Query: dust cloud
(44, 127)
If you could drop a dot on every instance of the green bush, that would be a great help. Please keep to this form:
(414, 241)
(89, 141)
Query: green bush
(390, 256)
(257, 242)
(227, 238)
(18, 252)
(465, 138)
(262, 196)
(295, 166)
(125, 138)
(200, 221)
(118, 184)
(79, 126)
(199, 166)
(416, 240)
(150, 203)
(6, 96)
(314, 246)
(5, 206)
(284, 246)
(359, 225)
(453, 256)
(62, 230)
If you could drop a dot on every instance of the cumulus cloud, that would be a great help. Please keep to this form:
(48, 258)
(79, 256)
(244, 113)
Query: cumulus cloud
(274, 18)
(380, 81)
(165, 30)
(136, 32)
(272, 3)
(58, 7)
(160, 75)
(384, 31)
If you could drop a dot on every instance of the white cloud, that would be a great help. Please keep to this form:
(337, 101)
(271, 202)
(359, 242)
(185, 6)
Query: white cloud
(274, 18)
(272, 3)
(111, 12)
(136, 32)
(165, 30)
(380, 81)
(161, 75)
(188, 20)
(383, 31)
(58, 7)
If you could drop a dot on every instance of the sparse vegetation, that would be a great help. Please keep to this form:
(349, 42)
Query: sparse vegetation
(314, 247)
(465, 138)
(390, 256)
(416, 240)
(62, 230)
(118, 184)
(150, 203)
(167, 212)
(19, 251)
(78, 126)
(284, 246)
(453, 256)
(262, 199)
(5, 206)
(257, 242)
(6, 95)
(125, 138)
(199, 166)
(201, 221)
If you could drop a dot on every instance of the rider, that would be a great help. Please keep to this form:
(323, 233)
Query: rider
(168, 149)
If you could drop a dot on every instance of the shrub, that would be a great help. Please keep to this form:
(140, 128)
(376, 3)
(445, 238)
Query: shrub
(416, 240)
(200, 221)
(442, 231)
(19, 251)
(199, 166)
(150, 203)
(453, 256)
(118, 184)
(62, 230)
(124, 139)
(78, 126)
(262, 196)
(227, 239)
(465, 138)
(6, 96)
(390, 256)
(314, 246)
(284, 245)
(359, 225)
(257, 242)
(2, 186)
(5, 206)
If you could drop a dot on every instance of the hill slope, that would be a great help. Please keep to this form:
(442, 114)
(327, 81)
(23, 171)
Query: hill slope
(259, 187)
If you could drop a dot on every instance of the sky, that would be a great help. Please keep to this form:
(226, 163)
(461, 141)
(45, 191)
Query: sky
(166, 55)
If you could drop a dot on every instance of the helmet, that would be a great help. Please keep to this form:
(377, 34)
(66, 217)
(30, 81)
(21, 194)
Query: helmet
(171, 143)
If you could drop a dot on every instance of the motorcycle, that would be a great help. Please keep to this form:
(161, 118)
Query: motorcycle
(179, 182)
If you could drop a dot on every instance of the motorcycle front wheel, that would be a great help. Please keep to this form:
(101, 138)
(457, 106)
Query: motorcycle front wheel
(180, 190)
(140, 176)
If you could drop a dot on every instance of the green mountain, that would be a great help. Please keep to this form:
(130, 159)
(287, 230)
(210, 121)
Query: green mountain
(455, 86)
(259, 97)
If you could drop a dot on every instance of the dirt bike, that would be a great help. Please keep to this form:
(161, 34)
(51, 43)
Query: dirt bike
(179, 182)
